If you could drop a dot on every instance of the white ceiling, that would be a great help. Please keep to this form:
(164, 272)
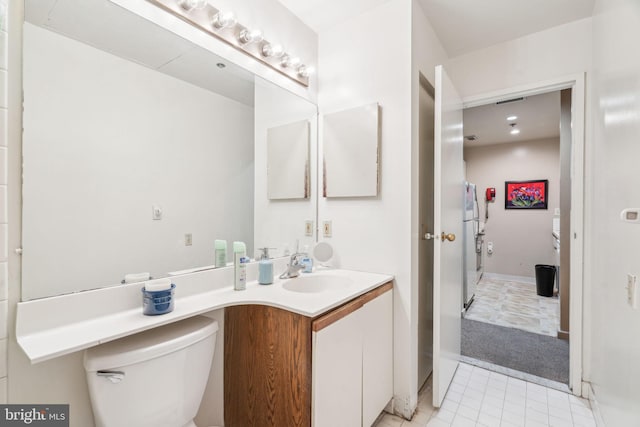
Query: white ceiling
(466, 25)
(322, 14)
(461, 25)
(538, 118)
(109, 27)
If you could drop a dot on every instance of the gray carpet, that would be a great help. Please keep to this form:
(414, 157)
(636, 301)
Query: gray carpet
(535, 354)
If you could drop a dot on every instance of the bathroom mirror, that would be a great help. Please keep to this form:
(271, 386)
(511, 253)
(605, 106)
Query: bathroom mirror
(140, 149)
(288, 161)
(351, 152)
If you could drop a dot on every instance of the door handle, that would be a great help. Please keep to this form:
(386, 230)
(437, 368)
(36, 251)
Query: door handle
(450, 237)
(429, 236)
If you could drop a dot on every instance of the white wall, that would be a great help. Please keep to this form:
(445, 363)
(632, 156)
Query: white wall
(552, 53)
(104, 140)
(4, 163)
(362, 61)
(281, 222)
(521, 238)
(614, 328)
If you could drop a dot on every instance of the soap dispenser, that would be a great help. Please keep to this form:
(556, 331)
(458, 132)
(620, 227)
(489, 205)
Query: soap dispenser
(265, 268)
(307, 261)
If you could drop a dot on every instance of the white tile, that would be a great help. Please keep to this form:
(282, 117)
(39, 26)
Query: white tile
(473, 394)
(4, 280)
(3, 127)
(3, 166)
(582, 411)
(471, 402)
(3, 390)
(457, 397)
(436, 422)
(515, 398)
(3, 358)
(580, 421)
(422, 416)
(389, 420)
(516, 383)
(4, 234)
(487, 420)
(3, 89)
(513, 419)
(537, 396)
(533, 415)
(449, 405)
(514, 408)
(493, 401)
(505, 423)
(444, 415)
(480, 372)
(561, 413)
(3, 319)
(533, 423)
(494, 411)
(3, 50)
(495, 392)
(3, 204)
(537, 406)
(456, 388)
(559, 422)
(460, 421)
(468, 412)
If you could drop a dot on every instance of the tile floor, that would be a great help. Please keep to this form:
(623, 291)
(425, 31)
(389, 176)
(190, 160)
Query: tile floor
(481, 398)
(512, 302)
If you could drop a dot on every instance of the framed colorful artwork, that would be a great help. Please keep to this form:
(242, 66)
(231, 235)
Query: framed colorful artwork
(526, 194)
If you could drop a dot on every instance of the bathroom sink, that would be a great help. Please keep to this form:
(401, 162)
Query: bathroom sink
(317, 283)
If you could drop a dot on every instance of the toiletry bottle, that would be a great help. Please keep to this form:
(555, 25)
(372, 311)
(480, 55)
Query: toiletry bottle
(221, 253)
(265, 268)
(307, 261)
(240, 261)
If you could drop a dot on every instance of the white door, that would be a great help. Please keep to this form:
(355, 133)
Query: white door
(448, 244)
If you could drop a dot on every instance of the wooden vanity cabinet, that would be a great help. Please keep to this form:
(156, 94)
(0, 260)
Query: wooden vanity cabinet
(283, 369)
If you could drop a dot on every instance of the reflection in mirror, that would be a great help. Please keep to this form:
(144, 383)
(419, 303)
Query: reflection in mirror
(288, 161)
(351, 140)
(135, 160)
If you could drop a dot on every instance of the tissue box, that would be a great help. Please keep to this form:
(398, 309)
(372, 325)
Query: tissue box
(157, 302)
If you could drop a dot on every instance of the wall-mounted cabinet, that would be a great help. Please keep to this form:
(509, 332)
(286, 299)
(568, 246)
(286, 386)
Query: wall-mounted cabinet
(285, 369)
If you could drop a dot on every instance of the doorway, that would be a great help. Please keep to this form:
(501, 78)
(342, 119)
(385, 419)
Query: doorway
(425, 247)
(568, 210)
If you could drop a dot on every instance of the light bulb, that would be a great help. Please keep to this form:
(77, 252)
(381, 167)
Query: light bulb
(512, 118)
(515, 131)
(289, 62)
(304, 71)
(189, 5)
(223, 20)
(272, 50)
(250, 36)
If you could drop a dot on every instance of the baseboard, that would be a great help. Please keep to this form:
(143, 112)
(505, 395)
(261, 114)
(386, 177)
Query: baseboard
(498, 276)
(595, 408)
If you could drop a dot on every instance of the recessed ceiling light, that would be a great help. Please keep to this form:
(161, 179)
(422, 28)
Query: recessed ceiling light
(515, 131)
(510, 118)
(220, 65)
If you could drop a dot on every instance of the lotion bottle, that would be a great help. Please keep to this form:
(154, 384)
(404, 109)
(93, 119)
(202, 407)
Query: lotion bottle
(307, 261)
(240, 261)
(220, 253)
(265, 268)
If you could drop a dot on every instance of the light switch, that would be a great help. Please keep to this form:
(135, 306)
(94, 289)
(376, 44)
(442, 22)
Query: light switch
(632, 291)
(156, 212)
(308, 227)
(188, 239)
(327, 229)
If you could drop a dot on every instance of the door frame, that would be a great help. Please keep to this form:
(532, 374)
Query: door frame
(575, 82)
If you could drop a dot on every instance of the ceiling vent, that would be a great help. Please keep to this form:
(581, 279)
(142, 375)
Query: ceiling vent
(507, 101)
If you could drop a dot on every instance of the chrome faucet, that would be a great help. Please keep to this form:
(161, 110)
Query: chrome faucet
(294, 267)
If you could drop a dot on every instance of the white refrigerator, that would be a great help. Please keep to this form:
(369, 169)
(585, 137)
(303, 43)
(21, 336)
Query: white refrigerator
(471, 227)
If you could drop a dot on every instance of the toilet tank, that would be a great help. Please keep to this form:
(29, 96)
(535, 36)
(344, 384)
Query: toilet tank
(152, 379)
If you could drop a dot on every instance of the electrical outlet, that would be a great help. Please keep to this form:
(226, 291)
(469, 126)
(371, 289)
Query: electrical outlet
(308, 227)
(188, 239)
(632, 291)
(327, 229)
(156, 212)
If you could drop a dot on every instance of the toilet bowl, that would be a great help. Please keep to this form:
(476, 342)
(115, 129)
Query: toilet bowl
(152, 379)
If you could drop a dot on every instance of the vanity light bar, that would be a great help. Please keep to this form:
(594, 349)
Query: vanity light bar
(223, 26)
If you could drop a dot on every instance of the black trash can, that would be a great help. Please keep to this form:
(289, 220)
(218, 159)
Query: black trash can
(545, 278)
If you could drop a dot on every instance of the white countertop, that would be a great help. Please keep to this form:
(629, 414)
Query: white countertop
(52, 327)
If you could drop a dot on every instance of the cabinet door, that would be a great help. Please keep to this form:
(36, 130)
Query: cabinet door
(377, 356)
(337, 373)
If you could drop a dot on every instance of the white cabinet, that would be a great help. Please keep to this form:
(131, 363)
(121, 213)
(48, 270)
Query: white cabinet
(353, 361)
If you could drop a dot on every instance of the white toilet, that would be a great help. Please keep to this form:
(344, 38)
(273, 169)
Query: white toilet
(152, 379)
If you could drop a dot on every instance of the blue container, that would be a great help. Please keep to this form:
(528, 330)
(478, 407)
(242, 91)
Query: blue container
(157, 302)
